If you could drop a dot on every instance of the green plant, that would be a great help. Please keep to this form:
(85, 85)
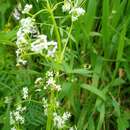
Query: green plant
(71, 70)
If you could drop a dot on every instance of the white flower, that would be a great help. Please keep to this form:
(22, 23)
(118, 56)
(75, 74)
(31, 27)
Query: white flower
(27, 8)
(16, 116)
(74, 18)
(58, 121)
(51, 81)
(52, 48)
(37, 47)
(67, 5)
(12, 121)
(25, 93)
(50, 53)
(76, 12)
(18, 52)
(66, 116)
(21, 38)
(13, 128)
(38, 80)
(23, 109)
(28, 25)
(40, 44)
(58, 87)
(49, 74)
(21, 61)
(45, 105)
(80, 11)
(52, 43)
(16, 14)
(20, 108)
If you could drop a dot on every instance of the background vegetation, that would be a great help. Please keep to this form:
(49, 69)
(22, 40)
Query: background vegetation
(95, 71)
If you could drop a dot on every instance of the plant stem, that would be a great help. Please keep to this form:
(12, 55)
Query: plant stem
(62, 54)
(50, 112)
(57, 34)
(40, 11)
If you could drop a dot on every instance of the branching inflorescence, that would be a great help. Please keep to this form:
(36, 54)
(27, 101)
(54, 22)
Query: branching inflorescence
(30, 40)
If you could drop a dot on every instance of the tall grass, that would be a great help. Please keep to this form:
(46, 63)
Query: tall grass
(93, 65)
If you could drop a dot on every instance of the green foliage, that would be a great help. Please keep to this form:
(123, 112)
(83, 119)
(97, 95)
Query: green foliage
(92, 61)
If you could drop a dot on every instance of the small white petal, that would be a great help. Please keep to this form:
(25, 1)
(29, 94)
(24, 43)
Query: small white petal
(27, 8)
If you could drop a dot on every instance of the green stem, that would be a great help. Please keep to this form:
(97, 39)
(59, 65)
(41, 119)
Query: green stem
(57, 34)
(40, 11)
(50, 112)
(62, 54)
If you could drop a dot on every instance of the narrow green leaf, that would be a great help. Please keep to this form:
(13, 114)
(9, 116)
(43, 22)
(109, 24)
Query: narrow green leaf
(105, 28)
(102, 116)
(91, 125)
(94, 90)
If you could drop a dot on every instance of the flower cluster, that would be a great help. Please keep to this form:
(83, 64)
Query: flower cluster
(45, 105)
(27, 28)
(29, 39)
(27, 8)
(16, 14)
(25, 93)
(74, 11)
(48, 84)
(67, 5)
(41, 44)
(51, 83)
(60, 121)
(16, 116)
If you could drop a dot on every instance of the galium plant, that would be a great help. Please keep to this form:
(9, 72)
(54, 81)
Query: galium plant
(64, 65)
(31, 41)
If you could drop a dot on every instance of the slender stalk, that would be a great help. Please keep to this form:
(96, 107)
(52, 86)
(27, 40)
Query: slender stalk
(57, 34)
(62, 54)
(50, 112)
(40, 11)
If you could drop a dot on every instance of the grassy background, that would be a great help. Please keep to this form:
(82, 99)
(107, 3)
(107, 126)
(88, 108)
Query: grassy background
(100, 40)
